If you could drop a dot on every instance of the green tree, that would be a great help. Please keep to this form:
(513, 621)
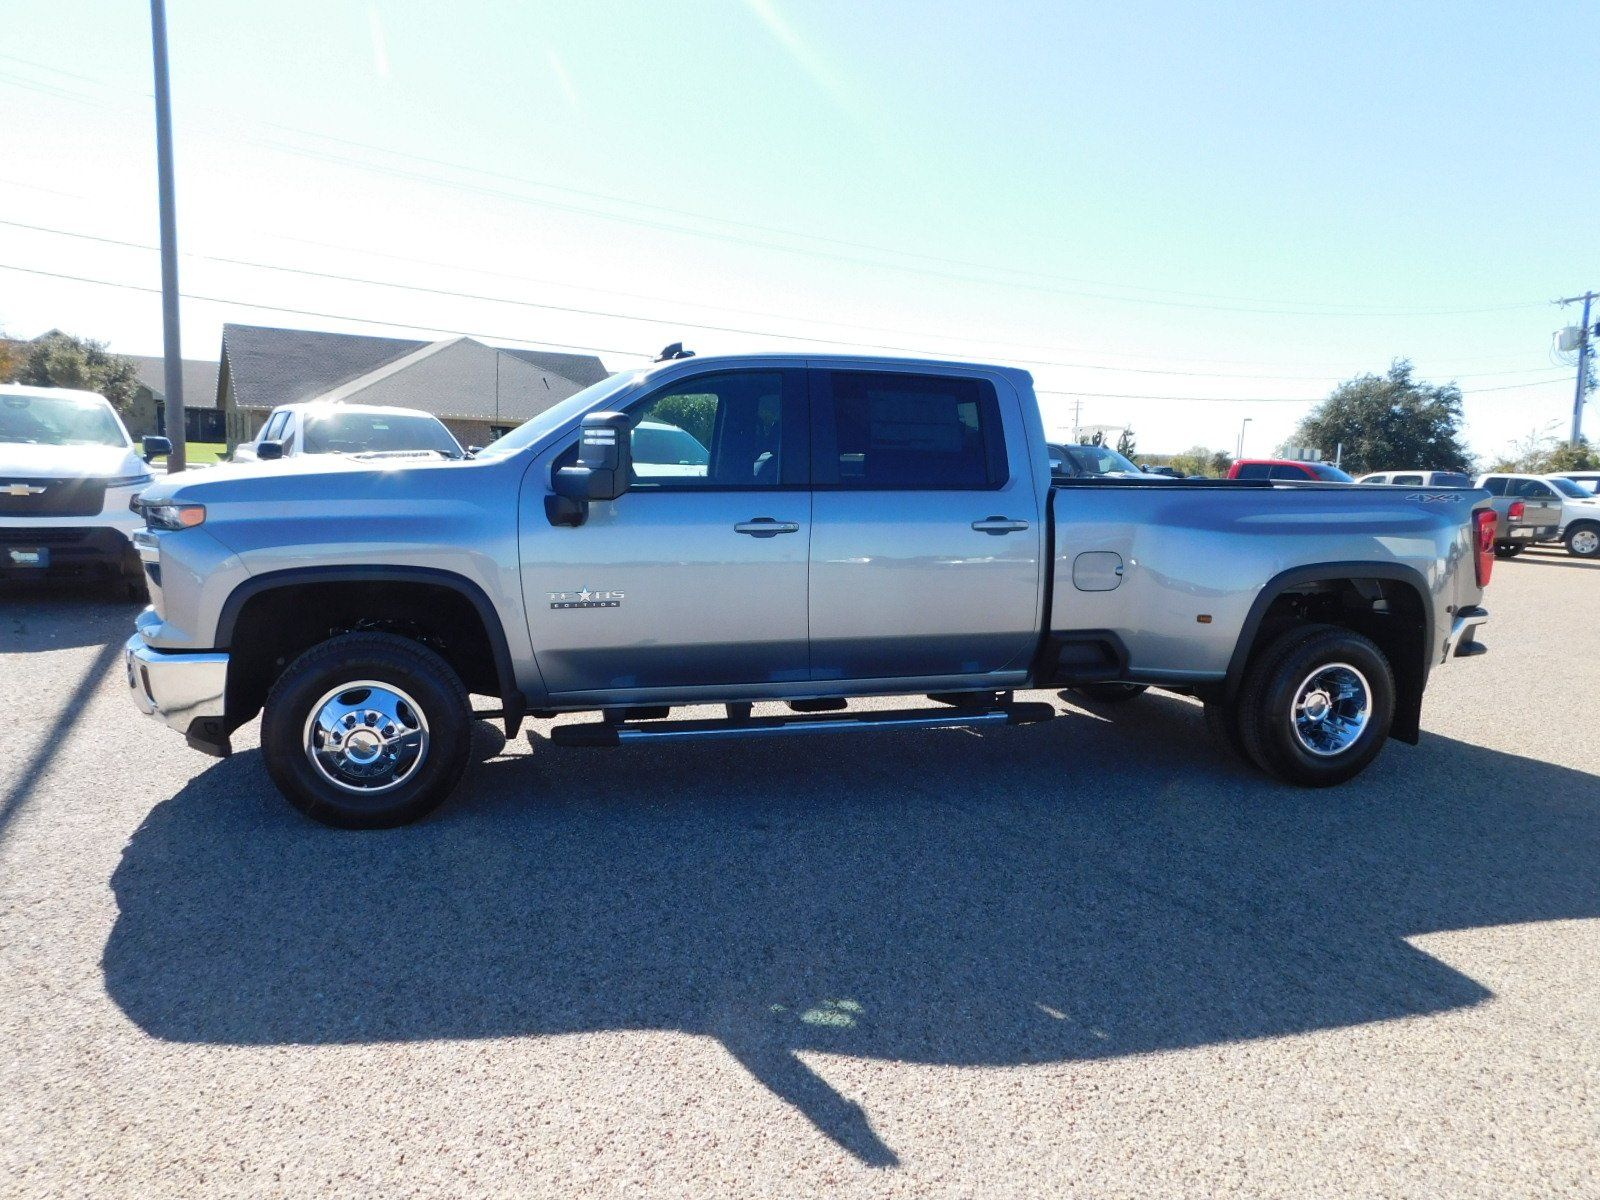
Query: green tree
(60, 360)
(10, 358)
(1127, 443)
(694, 414)
(1197, 460)
(1541, 454)
(1389, 421)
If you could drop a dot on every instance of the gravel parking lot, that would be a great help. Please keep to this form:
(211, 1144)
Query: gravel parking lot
(1090, 957)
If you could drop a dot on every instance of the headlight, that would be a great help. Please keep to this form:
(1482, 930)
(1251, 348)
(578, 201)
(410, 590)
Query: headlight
(173, 516)
(122, 481)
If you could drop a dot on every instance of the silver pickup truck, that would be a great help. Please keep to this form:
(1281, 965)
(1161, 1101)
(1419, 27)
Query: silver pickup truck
(779, 528)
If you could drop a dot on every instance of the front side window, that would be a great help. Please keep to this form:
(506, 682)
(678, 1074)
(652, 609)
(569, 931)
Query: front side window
(58, 421)
(888, 431)
(274, 426)
(1495, 485)
(734, 429)
(1531, 489)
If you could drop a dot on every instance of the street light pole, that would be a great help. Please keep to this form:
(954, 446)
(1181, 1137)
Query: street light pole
(169, 240)
(1583, 367)
(1239, 453)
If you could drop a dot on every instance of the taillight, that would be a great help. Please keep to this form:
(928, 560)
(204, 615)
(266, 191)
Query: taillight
(1516, 510)
(1484, 561)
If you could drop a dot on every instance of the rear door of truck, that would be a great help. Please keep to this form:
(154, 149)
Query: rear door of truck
(927, 532)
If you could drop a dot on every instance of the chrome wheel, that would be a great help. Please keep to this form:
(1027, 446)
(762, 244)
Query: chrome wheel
(1585, 542)
(1330, 709)
(366, 737)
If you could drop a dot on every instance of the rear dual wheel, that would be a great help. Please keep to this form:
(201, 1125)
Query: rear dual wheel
(1314, 707)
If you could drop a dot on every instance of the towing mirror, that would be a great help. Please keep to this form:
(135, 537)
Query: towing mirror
(602, 472)
(156, 447)
(267, 451)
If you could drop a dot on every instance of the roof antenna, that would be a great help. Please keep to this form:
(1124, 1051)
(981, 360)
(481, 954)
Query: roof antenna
(673, 351)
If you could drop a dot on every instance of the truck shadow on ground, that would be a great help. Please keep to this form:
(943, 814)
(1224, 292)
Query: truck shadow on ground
(1085, 889)
(51, 615)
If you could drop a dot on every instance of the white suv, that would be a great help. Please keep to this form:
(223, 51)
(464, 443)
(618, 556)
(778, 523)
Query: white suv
(367, 430)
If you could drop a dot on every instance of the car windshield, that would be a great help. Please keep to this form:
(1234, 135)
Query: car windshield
(377, 433)
(1099, 460)
(59, 421)
(553, 418)
(658, 443)
(1329, 474)
(1567, 488)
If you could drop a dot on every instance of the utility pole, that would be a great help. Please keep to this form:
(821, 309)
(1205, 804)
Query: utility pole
(169, 241)
(1077, 417)
(1240, 452)
(1583, 365)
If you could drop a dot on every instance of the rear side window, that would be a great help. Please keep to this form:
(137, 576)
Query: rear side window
(1290, 473)
(878, 430)
(1410, 480)
(1254, 471)
(1495, 485)
(1450, 479)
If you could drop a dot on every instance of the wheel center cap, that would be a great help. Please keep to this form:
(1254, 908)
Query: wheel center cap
(1318, 705)
(363, 746)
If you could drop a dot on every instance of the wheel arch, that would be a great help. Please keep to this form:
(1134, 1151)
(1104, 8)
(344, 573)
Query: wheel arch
(1347, 594)
(464, 603)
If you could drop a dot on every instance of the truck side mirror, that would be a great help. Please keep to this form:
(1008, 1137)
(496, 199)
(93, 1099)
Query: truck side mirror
(267, 451)
(603, 470)
(156, 447)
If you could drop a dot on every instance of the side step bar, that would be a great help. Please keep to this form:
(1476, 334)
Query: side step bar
(603, 733)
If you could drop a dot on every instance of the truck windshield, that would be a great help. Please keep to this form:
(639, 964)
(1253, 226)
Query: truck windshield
(1099, 460)
(59, 421)
(376, 433)
(1567, 488)
(1329, 474)
(552, 419)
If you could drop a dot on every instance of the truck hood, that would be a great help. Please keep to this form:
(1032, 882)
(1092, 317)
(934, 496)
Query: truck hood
(295, 477)
(24, 460)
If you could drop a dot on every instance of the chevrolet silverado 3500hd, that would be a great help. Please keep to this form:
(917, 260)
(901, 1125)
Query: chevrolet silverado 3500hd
(801, 529)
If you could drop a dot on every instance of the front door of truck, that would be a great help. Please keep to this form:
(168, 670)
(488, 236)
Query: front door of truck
(927, 537)
(696, 577)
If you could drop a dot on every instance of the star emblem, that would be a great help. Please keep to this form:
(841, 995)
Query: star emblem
(585, 595)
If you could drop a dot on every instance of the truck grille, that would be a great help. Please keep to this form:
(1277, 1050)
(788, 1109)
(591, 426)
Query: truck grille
(51, 497)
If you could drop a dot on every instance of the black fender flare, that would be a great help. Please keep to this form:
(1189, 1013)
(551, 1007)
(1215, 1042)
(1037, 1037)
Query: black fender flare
(511, 697)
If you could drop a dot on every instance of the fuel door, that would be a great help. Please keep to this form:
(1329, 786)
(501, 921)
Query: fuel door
(1097, 571)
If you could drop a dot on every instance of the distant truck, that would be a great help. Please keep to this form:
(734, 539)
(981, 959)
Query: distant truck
(857, 527)
(1419, 478)
(365, 430)
(1556, 509)
(68, 470)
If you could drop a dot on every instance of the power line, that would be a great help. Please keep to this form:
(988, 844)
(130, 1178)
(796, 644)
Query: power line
(1506, 387)
(658, 320)
(1255, 305)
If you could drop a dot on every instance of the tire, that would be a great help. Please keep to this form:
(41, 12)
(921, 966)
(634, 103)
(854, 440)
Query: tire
(1110, 693)
(1583, 541)
(1509, 549)
(413, 730)
(1318, 667)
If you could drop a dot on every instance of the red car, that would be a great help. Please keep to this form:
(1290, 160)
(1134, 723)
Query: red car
(1287, 468)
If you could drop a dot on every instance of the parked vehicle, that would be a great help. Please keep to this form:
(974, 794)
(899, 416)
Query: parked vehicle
(1287, 470)
(862, 527)
(1171, 472)
(1557, 510)
(1589, 481)
(1072, 461)
(1419, 478)
(365, 430)
(68, 471)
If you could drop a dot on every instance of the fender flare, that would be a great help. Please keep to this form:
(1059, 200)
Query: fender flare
(511, 697)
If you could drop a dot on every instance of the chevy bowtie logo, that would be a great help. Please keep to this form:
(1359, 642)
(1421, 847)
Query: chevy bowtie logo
(22, 489)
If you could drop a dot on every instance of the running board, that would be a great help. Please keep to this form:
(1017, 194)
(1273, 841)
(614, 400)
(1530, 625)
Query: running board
(602, 733)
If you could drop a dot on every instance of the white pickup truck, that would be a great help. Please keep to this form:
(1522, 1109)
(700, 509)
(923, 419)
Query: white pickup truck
(68, 470)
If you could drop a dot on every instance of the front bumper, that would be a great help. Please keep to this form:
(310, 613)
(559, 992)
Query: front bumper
(40, 549)
(1463, 639)
(185, 690)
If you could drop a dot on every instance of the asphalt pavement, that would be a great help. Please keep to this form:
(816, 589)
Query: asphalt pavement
(1091, 957)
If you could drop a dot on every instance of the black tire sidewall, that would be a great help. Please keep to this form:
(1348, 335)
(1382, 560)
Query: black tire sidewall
(1267, 726)
(411, 667)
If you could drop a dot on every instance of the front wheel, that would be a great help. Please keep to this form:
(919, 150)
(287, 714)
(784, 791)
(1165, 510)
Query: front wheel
(1316, 705)
(1583, 541)
(367, 731)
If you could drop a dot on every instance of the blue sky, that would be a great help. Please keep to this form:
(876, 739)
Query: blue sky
(1146, 204)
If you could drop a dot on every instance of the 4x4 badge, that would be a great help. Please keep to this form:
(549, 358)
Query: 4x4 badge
(585, 598)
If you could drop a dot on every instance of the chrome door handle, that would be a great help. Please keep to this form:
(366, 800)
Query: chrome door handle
(765, 527)
(999, 525)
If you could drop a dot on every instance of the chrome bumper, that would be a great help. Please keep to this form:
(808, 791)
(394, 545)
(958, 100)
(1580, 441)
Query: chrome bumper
(1463, 640)
(179, 689)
